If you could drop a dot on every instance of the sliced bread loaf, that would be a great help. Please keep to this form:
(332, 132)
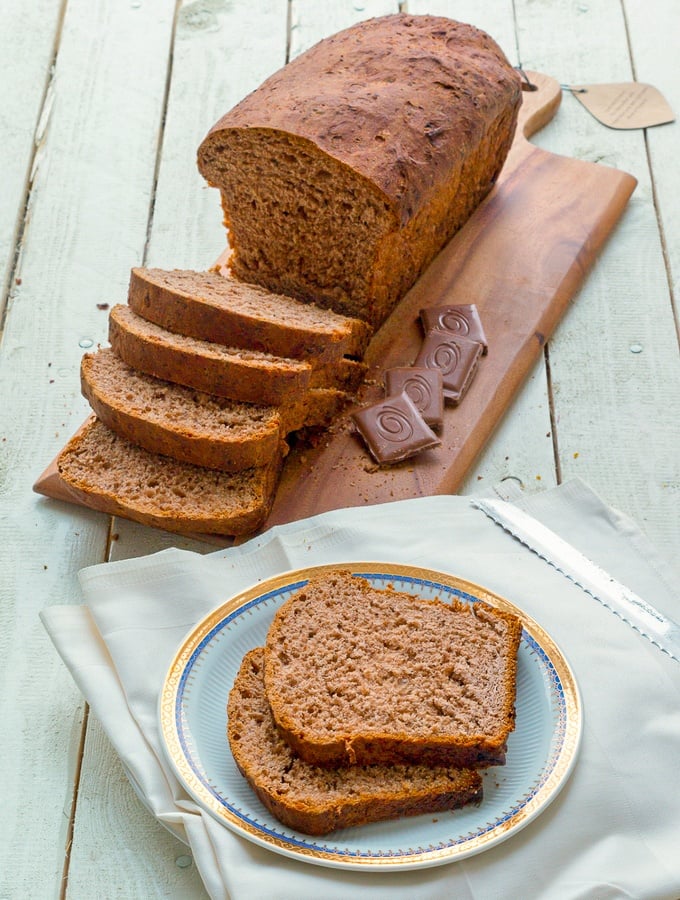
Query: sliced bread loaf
(246, 375)
(211, 307)
(108, 473)
(347, 170)
(316, 800)
(191, 426)
(357, 675)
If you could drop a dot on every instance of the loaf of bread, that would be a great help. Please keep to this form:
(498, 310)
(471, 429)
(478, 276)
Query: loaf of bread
(208, 306)
(251, 376)
(345, 172)
(315, 800)
(191, 426)
(105, 472)
(358, 675)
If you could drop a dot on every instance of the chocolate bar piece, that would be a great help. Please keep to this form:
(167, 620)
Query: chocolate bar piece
(456, 357)
(462, 320)
(393, 429)
(424, 386)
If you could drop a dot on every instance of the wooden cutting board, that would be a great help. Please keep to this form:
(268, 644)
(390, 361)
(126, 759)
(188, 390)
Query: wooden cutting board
(520, 259)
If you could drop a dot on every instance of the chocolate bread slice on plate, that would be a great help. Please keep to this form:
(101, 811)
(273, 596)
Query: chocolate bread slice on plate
(358, 675)
(315, 800)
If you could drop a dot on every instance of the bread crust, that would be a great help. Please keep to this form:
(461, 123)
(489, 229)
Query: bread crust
(456, 80)
(204, 366)
(249, 376)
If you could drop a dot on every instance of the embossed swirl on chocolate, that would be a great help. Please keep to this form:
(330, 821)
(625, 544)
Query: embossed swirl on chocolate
(419, 391)
(462, 319)
(392, 424)
(445, 356)
(423, 385)
(454, 320)
(393, 429)
(456, 358)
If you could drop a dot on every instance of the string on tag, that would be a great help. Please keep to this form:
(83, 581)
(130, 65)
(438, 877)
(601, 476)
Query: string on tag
(528, 84)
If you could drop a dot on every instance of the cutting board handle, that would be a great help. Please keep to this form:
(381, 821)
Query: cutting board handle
(541, 97)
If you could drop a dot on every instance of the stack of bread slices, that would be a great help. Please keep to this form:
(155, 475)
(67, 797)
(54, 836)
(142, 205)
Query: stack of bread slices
(204, 380)
(369, 704)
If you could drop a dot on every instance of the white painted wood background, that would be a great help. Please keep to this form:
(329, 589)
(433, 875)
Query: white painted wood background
(102, 106)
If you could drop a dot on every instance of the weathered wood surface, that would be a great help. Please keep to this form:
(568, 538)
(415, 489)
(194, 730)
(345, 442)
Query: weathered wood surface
(133, 89)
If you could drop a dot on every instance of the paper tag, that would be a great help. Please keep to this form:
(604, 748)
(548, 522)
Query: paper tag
(628, 105)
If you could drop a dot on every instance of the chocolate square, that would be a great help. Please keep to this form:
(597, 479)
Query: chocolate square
(456, 357)
(424, 386)
(462, 320)
(393, 429)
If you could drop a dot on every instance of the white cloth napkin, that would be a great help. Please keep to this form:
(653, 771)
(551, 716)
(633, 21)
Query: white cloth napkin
(614, 829)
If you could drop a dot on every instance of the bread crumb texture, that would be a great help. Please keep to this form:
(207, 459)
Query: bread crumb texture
(121, 478)
(318, 800)
(360, 675)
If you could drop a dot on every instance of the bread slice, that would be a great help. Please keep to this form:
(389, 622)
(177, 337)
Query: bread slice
(346, 171)
(191, 426)
(357, 675)
(316, 800)
(108, 473)
(211, 307)
(246, 375)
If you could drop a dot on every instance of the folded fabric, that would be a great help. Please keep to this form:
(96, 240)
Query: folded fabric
(611, 832)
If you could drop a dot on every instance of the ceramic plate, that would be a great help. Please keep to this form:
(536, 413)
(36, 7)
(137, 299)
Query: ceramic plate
(541, 751)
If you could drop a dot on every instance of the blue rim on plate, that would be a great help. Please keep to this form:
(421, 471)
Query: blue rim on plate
(541, 751)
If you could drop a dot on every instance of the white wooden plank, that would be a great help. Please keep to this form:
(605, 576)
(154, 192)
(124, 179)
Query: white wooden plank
(655, 62)
(220, 53)
(617, 410)
(311, 21)
(136, 857)
(86, 226)
(521, 449)
(30, 33)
